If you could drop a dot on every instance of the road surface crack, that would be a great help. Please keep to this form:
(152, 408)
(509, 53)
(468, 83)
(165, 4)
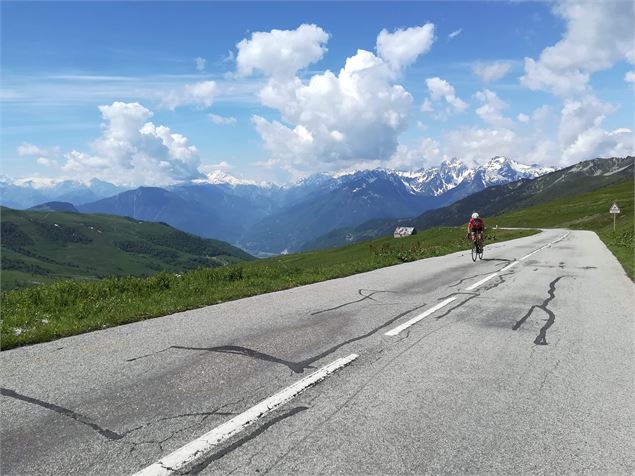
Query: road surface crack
(361, 293)
(296, 367)
(84, 420)
(173, 433)
(541, 338)
(465, 279)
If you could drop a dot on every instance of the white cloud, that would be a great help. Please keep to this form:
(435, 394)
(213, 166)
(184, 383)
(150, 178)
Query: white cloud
(491, 110)
(402, 47)
(581, 135)
(455, 33)
(199, 94)
(222, 120)
(425, 153)
(31, 150)
(427, 106)
(522, 117)
(200, 64)
(47, 162)
(132, 151)
(630, 77)
(441, 90)
(492, 72)
(597, 142)
(580, 115)
(598, 35)
(476, 145)
(333, 121)
(281, 53)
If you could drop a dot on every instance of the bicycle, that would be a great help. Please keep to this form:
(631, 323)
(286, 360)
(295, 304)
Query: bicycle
(477, 245)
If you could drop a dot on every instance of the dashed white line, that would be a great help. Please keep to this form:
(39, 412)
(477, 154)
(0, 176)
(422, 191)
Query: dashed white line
(510, 265)
(202, 446)
(414, 320)
(482, 281)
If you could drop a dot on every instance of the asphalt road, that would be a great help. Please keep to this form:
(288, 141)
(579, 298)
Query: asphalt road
(530, 372)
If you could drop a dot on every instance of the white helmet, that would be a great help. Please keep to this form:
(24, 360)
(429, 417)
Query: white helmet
(475, 215)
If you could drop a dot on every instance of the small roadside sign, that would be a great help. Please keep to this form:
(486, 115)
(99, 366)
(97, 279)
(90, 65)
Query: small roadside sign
(614, 211)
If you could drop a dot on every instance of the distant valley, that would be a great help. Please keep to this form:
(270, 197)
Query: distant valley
(266, 219)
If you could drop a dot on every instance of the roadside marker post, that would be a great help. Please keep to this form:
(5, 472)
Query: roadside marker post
(614, 211)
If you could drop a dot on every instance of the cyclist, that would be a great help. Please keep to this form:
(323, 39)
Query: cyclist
(475, 227)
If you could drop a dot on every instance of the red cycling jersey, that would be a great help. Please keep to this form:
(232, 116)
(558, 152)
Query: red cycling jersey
(476, 224)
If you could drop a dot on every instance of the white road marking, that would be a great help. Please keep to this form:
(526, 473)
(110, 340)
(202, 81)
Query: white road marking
(200, 447)
(510, 265)
(482, 281)
(546, 246)
(416, 319)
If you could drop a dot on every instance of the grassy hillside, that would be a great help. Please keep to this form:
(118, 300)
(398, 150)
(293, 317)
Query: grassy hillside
(65, 308)
(589, 211)
(40, 247)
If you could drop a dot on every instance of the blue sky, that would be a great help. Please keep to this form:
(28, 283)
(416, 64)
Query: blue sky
(62, 61)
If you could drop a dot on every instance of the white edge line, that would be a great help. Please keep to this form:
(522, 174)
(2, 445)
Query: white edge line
(416, 319)
(198, 448)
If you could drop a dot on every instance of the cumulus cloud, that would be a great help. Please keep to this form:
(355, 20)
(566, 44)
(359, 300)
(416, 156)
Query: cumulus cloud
(522, 117)
(222, 120)
(581, 135)
(132, 151)
(47, 162)
(281, 53)
(426, 152)
(580, 115)
(31, 150)
(402, 47)
(440, 90)
(598, 35)
(199, 94)
(630, 77)
(455, 33)
(339, 120)
(476, 145)
(491, 110)
(336, 120)
(493, 71)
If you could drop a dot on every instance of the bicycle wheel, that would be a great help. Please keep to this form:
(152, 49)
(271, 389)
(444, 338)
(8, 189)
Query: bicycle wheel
(480, 251)
(474, 250)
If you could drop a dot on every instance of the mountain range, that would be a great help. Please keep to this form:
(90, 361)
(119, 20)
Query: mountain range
(574, 180)
(266, 219)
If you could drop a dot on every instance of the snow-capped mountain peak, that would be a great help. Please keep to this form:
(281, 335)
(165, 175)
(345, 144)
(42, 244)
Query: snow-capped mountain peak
(500, 170)
(218, 177)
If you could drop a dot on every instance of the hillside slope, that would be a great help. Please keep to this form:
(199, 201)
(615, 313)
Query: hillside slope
(571, 181)
(43, 247)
